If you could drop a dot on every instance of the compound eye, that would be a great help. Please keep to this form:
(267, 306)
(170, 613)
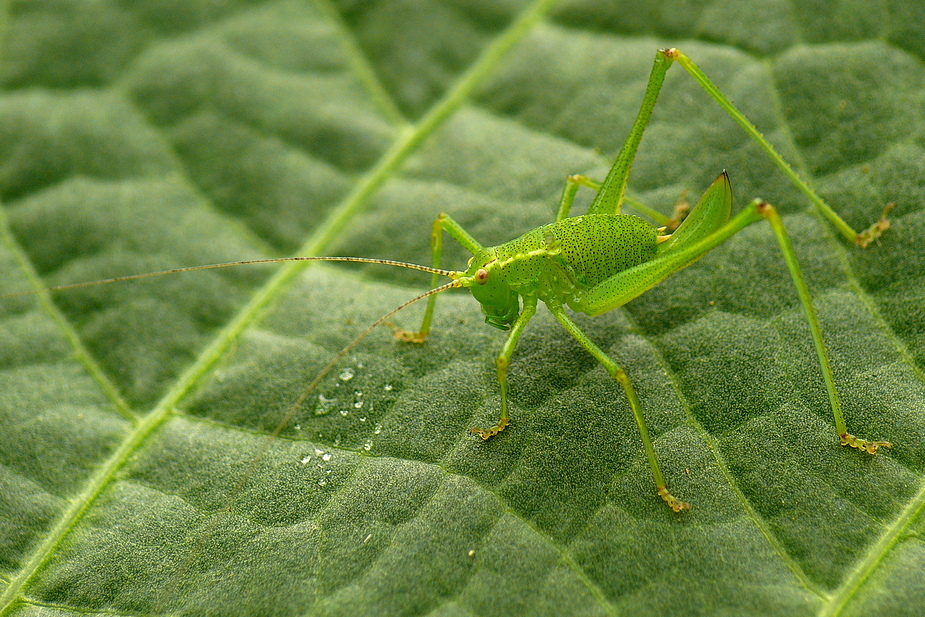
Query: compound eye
(481, 276)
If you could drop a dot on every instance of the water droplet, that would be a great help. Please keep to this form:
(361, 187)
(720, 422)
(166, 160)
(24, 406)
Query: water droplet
(326, 405)
(362, 418)
(322, 482)
(297, 427)
(358, 405)
(347, 374)
(368, 445)
(344, 412)
(318, 452)
(388, 387)
(327, 456)
(306, 458)
(378, 429)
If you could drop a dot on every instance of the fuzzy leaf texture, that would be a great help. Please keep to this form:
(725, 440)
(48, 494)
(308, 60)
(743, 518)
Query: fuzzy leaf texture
(140, 136)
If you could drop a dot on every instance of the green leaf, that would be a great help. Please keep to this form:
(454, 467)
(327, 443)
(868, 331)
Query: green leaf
(136, 474)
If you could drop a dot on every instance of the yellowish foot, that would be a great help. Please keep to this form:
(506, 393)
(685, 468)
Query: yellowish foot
(847, 439)
(406, 336)
(673, 502)
(876, 230)
(488, 433)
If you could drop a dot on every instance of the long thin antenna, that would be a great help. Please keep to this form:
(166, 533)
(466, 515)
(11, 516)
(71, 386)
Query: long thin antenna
(247, 262)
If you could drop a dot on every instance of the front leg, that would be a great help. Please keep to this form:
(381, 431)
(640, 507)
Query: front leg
(503, 361)
(455, 230)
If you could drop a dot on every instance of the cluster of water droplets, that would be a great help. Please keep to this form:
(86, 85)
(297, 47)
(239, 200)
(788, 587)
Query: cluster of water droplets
(345, 403)
(323, 458)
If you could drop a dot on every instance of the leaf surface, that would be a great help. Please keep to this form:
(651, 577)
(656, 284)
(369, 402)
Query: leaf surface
(136, 474)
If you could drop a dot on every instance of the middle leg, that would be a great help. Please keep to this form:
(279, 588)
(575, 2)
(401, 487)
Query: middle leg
(617, 373)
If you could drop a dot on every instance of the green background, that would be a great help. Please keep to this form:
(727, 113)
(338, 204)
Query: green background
(138, 136)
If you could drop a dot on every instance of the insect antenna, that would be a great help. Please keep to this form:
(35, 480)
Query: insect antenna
(230, 264)
(324, 371)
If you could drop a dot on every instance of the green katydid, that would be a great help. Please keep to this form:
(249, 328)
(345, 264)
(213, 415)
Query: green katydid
(602, 260)
(597, 262)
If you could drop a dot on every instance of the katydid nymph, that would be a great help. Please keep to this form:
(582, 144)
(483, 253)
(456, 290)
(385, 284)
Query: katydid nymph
(597, 262)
